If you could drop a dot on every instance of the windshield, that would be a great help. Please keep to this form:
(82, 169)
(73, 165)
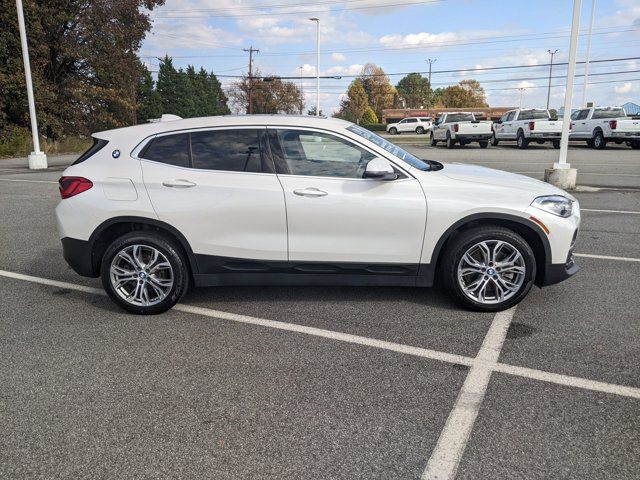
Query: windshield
(460, 117)
(389, 147)
(608, 113)
(533, 115)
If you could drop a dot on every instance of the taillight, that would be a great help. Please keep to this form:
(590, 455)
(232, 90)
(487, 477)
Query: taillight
(532, 125)
(455, 127)
(613, 124)
(70, 186)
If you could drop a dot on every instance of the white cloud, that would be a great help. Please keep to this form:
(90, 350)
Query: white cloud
(338, 57)
(354, 69)
(627, 87)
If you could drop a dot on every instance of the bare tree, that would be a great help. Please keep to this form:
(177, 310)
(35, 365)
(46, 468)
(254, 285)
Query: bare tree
(268, 95)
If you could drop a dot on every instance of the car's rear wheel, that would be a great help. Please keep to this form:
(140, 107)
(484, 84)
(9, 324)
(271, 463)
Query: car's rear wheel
(483, 143)
(488, 268)
(393, 130)
(432, 141)
(598, 140)
(144, 273)
(420, 130)
(450, 141)
(521, 141)
(494, 140)
(556, 144)
(635, 145)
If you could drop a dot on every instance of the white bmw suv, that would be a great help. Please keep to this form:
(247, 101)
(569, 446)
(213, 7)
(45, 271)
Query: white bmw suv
(262, 200)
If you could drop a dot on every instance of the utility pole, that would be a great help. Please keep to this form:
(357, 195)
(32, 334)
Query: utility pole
(586, 60)
(37, 158)
(301, 87)
(430, 62)
(251, 50)
(550, 70)
(317, 20)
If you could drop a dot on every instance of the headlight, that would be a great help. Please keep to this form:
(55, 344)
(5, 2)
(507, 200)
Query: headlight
(556, 204)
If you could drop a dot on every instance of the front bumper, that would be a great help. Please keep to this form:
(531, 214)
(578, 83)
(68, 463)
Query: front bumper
(556, 273)
(78, 254)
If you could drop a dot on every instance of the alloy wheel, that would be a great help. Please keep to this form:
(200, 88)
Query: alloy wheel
(141, 275)
(491, 272)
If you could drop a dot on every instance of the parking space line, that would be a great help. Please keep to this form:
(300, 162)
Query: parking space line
(27, 181)
(630, 212)
(448, 452)
(607, 257)
(490, 347)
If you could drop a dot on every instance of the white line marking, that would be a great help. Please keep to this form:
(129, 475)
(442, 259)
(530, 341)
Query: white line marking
(22, 180)
(395, 347)
(607, 257)
(609, 211)
(446, 456)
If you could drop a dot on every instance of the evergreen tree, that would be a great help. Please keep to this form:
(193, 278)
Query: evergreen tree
(148, 100)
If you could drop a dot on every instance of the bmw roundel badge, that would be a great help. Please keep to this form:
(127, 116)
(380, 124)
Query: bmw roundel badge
(115, 153)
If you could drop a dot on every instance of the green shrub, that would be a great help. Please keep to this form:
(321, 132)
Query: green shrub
(369, 116)
(16, 142)
(374, 127)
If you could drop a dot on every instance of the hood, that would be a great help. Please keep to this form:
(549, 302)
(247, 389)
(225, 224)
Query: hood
(499, 178)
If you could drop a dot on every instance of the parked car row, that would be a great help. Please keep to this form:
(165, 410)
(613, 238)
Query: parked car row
(595, 125)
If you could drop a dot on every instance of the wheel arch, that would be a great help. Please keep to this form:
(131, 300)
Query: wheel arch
(527, 229)
(115, 227)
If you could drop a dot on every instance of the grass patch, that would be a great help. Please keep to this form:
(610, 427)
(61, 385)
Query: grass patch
(16, 142)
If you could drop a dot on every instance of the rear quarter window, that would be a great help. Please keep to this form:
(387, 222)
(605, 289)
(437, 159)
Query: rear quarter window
(98, 144)
(169, 149)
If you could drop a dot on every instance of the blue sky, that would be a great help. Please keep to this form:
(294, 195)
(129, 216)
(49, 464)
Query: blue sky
(399, 35)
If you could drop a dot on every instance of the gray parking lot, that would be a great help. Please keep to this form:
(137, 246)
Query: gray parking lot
(317, 382)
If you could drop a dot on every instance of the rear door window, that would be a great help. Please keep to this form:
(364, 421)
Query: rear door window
(169, 149)
(227, 150)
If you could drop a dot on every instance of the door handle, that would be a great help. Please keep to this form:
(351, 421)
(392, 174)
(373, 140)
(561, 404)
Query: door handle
(310, 192)
(178, 183)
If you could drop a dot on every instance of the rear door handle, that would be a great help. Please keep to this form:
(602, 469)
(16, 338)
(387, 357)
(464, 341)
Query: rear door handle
(310, 192)
(178, 183)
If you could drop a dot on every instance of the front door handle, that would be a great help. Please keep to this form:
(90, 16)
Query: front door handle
(310, 192)
(178, 183)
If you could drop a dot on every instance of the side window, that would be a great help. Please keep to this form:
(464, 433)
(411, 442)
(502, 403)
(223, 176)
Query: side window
(583, 114)
(412, 120)
(574, 115)
(402, 121)
(510, 116)
(226, 150)
(169, 149)
(320, 155)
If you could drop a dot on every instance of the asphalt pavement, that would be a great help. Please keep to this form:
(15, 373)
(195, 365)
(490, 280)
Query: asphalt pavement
(320, 382)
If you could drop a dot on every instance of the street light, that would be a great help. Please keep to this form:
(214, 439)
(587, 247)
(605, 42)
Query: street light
(317, 20)
(550, 70)
(586, 60)
(37, 158)
(522, 89)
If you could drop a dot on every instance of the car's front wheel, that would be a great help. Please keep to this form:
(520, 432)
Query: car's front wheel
(432, 140)
(144, 273)
(488, 268)
(393, 130)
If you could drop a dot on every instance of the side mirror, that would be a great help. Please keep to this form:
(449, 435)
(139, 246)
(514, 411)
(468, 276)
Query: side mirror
(380, 169)
(498, 121)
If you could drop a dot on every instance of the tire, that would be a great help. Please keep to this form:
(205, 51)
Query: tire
(598, 140)
(635, 145)
(432, 141)
(393, 131)
(153, 293)
(450, 141)
(521, 141)
(420, 130)
(515, 285)
(483, 143)
(556, 144)
(494, 140)
(590, 143)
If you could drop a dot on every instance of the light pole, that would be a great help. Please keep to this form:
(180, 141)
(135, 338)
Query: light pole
(586, 60)
(550, 70)
(317, 20)
(430, 62)
(561, 174)
(37, 158)
(522, 89)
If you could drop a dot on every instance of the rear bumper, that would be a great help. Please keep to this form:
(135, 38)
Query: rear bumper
(545, 136)
(473, 137)
(77, 254)
(626, 135)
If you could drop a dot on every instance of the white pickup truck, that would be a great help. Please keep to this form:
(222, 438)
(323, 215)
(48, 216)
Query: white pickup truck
(599, 125)
(527, 125)
(460, 127)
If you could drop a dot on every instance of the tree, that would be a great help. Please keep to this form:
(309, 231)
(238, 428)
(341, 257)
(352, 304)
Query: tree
(357, 99)
(379, 90)
(369, 116)
(268, 95)
(312, 111)
(84, 63)
(414, 89)
(467, 94)
(148, 101)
